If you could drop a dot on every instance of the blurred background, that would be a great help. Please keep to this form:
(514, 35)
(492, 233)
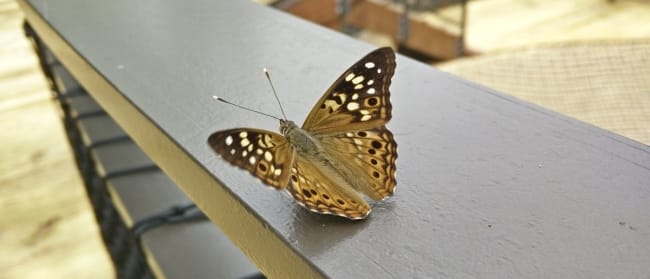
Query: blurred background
(588, 59)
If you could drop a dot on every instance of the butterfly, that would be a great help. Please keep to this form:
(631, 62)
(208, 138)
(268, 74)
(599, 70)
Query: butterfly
(342, 151)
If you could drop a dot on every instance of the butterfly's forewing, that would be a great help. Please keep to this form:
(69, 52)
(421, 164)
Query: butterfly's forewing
(349, 121)
(266, 155)
(371, 155)
(359, 99)
(320, 192)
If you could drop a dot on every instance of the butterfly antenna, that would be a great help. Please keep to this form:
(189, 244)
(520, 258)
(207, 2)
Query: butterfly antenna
(242, 107)
(268, 77)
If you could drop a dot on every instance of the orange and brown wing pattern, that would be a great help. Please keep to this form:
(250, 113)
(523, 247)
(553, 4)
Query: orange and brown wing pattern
(266, 155)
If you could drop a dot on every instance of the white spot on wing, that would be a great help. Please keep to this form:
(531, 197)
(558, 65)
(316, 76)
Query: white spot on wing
(244, 142)
(370, 65)
(379, 71)
(352, 106)
(355, 96)
(268, 156)
(370, 82)
(243, 134)
(229, 140)
(357, 80)
(358, 86)
(349, 77)
(252, 160)
(277, 172)
(366, 117)
(371, 91)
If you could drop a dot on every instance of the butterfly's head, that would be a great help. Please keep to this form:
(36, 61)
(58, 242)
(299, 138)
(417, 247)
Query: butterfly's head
(286, 126)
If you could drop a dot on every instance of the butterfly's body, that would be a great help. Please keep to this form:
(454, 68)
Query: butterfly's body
(300, 139)
(342, 149)
(311, 149)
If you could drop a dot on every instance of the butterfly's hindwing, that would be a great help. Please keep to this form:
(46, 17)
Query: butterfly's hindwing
(319, 192)
(266, 155)
(359, 99)
(370, 155)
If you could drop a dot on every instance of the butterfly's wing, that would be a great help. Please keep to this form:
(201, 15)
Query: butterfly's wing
(349, 122)
(370, 155)
(359, 99)
(321, 193)
(265, 154)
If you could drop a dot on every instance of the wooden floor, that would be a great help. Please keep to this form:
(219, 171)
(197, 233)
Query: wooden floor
(506, 24)
(47, 229)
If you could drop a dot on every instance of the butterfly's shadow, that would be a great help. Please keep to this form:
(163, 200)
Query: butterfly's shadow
(315, 233)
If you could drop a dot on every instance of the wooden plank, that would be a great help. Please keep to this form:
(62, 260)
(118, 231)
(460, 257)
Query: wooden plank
(505, 24)
(486, 184)
(47, 229)
(490, 22)
(424, 35)
(319, 11)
